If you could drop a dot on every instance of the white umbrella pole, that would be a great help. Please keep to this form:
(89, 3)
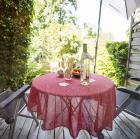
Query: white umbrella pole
(98, 33)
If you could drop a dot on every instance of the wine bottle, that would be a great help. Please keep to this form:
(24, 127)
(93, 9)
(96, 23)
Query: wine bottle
(85, 66)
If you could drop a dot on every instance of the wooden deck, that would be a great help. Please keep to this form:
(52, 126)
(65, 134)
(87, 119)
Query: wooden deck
(125, 126)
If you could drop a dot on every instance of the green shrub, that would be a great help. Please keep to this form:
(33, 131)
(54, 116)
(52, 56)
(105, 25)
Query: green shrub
(112, 61)
(15, 19)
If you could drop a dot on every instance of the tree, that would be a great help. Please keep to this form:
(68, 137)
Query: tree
(53, 34)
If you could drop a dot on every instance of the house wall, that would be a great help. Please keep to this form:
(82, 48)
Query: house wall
(134, 54)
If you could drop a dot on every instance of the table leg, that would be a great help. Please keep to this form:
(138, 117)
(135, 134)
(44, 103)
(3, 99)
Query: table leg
(90, 137)
(63, 133)
(55, 118)
(42, 126)
(54, 134)
(101, 135)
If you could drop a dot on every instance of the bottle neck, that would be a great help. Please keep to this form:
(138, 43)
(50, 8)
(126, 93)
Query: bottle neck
(85, 48)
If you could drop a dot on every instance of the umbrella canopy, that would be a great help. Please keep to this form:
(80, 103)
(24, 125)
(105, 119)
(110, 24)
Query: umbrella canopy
(123, 7)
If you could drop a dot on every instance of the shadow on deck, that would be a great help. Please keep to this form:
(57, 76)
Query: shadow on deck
(125, 126)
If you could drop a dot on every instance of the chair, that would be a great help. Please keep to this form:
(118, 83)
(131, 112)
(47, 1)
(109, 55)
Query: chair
(11, 106)
(129, 100)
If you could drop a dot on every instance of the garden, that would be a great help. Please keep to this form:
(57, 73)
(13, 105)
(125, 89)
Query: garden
(35, 35)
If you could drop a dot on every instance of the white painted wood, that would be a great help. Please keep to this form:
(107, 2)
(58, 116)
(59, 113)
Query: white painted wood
(135, 42)
(136, 27)
(131, 85)
(135, 51)
(135, 55)
(136, 35)
(133, 73)
(136, 59)
(134, 66)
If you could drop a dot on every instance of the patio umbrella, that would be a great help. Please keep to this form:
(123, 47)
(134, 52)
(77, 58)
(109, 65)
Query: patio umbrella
(123, 7)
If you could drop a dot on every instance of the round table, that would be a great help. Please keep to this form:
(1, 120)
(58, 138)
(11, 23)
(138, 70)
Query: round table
(74, 106)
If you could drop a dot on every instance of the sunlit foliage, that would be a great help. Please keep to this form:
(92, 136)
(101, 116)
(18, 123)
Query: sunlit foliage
(54, 34)
(37, 33)
(112, 61)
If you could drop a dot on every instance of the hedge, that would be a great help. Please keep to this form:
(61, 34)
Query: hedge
(15, 19)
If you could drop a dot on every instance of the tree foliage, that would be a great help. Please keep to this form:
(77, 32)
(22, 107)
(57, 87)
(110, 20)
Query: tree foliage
(54, 34)
(35, 33)
(15, 18)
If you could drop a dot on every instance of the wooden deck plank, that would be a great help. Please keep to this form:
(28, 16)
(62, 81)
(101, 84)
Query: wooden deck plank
(67, 134)
(131, 125)
(128, 131)
(33, 133)
(125, 127)
(59, 132)
(3, 128)
(83, 134)
(116, 132)
(50, 133)
(1, 121)
(6, 133)
(107, 135)
(19, 125)
(135, 121)
(26, 128)
(123, 133)
(42, 134)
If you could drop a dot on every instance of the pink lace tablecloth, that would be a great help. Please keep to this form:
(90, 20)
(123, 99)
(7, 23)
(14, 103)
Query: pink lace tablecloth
(74, 106)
